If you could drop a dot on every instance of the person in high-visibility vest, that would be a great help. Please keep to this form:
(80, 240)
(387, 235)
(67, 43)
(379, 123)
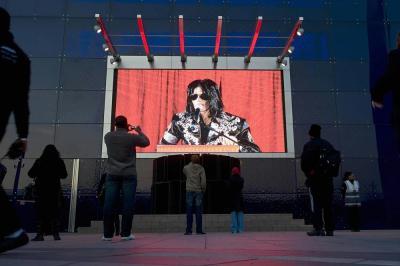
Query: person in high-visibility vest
(352, 201)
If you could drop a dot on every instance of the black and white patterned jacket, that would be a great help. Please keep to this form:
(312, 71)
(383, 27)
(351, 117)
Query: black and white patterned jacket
(184, 127)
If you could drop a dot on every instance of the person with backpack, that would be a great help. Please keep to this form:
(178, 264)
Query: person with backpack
(320, 163)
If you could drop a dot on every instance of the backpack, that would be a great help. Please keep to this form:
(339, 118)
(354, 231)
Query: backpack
(329, 161)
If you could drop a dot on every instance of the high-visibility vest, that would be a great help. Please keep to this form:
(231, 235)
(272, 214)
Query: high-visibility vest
(352, 196)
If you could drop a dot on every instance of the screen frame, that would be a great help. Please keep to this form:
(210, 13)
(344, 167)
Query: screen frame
(201, 62)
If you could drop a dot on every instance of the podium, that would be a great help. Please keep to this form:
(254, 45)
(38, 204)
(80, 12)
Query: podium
(197, 148)
(169, 183)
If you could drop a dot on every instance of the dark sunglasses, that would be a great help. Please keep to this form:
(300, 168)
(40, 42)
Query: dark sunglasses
(202, 96)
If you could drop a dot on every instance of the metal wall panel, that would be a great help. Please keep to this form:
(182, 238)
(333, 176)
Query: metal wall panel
(81, 40)
(45, 73)
(201, 10)
(269, 175)
(351, 76)
(392, 8)
(43, 106)
(80, 107)
(354, 108)
(148, 10)
(79, 140)
(312, 76)
(40, 135)
(36, 7)
(83, 74)
(84, 8)
(358, 141)
(314, 107)
(349, 40)
(39, 36)
(348, 10)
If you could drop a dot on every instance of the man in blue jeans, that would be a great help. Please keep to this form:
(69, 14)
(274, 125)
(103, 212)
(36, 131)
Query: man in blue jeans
(121, 175)
(195, 187)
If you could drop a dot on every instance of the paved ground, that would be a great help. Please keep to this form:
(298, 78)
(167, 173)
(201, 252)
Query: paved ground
(266, 248)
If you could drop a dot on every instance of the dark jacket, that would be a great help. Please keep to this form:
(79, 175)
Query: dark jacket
(121, 150)
(236, 183)
(47, 174)
(310, 161)
(15, 80)
(390, 81)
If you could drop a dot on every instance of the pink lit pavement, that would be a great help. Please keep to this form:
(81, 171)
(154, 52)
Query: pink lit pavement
(255, 248)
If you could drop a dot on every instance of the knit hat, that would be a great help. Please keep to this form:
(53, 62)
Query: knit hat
(315, 131)
(235, 170)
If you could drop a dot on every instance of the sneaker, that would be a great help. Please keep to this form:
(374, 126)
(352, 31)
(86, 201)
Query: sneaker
(200, 233)
(315, 233)
(106, 238)
(130, 237)
(187, 233)
(38, 237)
(12, 243)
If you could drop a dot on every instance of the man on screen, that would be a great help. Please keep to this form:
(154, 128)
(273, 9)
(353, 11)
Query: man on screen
(205, 123)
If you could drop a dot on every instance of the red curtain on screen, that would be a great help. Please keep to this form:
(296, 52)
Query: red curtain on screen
(149, 98)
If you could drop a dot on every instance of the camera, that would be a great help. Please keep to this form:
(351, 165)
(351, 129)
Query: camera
(131, 128)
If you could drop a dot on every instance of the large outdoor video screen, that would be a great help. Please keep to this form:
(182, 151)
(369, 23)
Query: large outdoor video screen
(204, 107)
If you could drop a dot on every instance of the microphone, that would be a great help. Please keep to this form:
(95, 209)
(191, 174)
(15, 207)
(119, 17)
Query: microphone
(197, 115)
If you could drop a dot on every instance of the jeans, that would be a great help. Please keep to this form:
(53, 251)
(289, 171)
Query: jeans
(197, 197)
(353, 213)
(113, 186)
(323, 212)
(237, 222)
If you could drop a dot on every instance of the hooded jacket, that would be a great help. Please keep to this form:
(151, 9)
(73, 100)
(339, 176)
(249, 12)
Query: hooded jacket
(195, 177)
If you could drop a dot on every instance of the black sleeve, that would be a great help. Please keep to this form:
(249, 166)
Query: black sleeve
(306, 159)
(386, 81)
(173, 133)
(309, 157)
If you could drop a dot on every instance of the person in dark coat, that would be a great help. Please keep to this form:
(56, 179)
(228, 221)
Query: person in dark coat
(15, 79)
(47, 171)
(321, 185)
(236, 200)
(390, 81)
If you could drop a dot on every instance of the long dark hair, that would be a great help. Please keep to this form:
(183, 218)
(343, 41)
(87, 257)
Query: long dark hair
(50, 152)
(210, 89)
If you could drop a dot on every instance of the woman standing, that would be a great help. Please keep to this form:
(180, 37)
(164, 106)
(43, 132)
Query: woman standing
(47, 172)
(236, 200)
